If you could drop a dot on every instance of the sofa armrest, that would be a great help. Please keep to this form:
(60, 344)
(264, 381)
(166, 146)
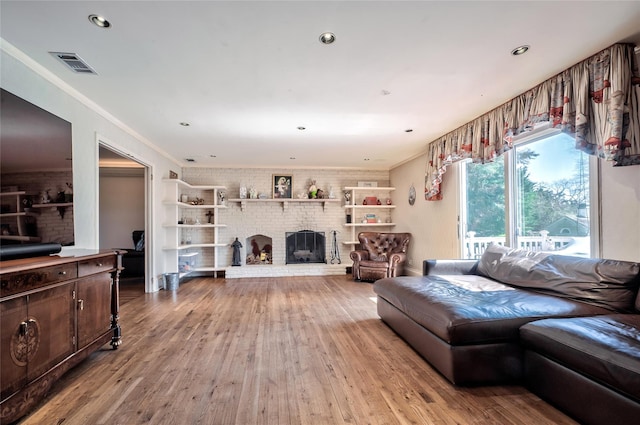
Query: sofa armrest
(397, 258)
(448, 267)
(359, 255)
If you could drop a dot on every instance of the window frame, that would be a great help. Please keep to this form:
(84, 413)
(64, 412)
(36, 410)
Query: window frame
(510, 186)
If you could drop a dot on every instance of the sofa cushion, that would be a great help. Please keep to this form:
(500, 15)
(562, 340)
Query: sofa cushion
(603, 348)
(608, 283)
(471, 309)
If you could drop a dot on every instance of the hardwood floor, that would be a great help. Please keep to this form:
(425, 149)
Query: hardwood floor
(308, 350)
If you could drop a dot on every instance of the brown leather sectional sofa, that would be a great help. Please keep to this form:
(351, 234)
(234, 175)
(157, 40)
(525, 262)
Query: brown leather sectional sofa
(568, 327)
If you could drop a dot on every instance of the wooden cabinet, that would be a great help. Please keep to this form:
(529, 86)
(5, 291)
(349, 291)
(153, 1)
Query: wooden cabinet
(94, 314)
(54, 312)
(14, 332)
(50, 328)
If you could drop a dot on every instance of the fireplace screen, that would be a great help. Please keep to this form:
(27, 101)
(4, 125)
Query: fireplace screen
(305, 246)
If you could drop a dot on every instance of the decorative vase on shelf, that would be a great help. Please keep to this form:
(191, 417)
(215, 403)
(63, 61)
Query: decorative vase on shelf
(46, 197)
(68, 193)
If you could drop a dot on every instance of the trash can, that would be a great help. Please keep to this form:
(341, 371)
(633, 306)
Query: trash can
(171, 281)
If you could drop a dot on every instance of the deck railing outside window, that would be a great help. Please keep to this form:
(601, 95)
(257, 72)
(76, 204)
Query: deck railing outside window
(474, 247)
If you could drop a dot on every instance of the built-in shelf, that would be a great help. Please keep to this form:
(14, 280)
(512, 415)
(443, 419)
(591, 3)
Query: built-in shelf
(187, 205)
(370, 189)
(53, 205)
(369, 224)
(60, 206)
(194, 245)
(20, 214)
(17, 214)
(369, 207)
(20, 238)
(195, 226)
(201, 270)
(194, 186)
(207, 228)
(356, 205)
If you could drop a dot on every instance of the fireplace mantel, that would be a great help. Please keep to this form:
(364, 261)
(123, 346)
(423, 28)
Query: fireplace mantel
(285, 202)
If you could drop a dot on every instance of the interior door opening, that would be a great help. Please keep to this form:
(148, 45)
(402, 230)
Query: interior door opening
(123, 212)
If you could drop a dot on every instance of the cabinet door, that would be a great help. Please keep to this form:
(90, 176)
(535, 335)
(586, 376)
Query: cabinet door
(94, 307)
(13, 346)
(51, 324)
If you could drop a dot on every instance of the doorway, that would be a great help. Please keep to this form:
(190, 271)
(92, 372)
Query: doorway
(122, 212)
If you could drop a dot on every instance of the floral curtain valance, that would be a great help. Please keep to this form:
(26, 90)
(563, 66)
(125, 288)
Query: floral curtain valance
(597, 101)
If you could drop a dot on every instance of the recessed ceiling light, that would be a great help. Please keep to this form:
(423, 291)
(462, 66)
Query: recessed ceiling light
(327, 37)
(408, 130)
(185, 124)
(99, 21)
(302, 128)
(520, 50)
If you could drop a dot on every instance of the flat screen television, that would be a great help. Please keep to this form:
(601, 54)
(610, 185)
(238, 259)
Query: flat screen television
(36, 174)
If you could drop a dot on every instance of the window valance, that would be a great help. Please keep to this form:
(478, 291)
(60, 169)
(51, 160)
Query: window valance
(597, 101)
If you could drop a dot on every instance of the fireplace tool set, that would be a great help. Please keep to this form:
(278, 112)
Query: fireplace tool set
(335, 250)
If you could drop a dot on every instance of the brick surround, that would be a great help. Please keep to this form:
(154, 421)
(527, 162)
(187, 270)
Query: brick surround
(271, 219)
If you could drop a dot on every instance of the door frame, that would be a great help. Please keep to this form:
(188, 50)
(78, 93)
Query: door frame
(102, 141)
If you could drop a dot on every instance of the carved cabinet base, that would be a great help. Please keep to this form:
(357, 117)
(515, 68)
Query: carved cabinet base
(54, 312)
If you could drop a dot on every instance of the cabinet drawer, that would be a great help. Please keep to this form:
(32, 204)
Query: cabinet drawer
(96, 265)
(24, 281)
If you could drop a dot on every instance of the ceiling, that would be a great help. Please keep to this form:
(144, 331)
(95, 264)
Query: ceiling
(246, 75)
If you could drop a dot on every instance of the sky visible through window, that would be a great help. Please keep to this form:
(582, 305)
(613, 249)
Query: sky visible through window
(549, 166)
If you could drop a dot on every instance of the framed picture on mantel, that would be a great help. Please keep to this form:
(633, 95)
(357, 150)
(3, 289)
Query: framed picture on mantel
(282, 186)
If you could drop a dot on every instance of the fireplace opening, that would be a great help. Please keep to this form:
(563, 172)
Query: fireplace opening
(305, 246)
(259, 250)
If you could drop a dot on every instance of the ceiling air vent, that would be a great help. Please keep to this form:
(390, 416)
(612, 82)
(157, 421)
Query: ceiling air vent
(74, 62)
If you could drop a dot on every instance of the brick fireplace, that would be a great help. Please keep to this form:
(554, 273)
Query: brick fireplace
(275, 220)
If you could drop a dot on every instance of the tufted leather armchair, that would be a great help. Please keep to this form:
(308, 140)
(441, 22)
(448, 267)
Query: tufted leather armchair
(381, 255)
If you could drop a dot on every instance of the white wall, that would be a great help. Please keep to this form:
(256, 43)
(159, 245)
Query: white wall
(620, 220)
(18, 75)
(434, 223)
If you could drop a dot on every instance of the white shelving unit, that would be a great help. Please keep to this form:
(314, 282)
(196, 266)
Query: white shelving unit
(356, 207)
(192, 231)
(17, 215)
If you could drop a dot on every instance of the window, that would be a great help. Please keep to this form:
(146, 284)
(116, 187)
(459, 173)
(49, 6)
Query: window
(537, 196)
